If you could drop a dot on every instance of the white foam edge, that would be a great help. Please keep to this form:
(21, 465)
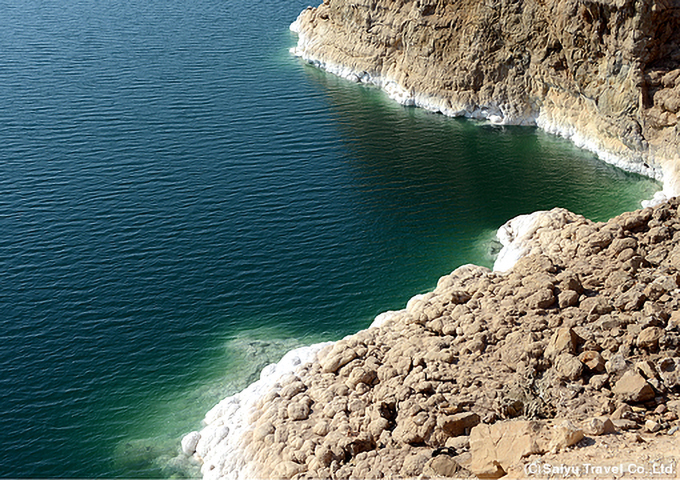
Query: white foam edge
(220, 446)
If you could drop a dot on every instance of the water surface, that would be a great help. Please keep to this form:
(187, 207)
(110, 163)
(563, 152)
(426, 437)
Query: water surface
(182, 201)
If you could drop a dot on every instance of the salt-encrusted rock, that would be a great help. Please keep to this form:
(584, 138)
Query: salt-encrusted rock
(189, 442)
(337, 358)
(298, 411)
(632, 387)
(288, 469)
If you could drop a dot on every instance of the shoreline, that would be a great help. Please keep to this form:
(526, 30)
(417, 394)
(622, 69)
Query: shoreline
(544, 119)
(334, 393)
(222, 445)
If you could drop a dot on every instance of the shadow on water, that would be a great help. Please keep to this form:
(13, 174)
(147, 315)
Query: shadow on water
(490, 172)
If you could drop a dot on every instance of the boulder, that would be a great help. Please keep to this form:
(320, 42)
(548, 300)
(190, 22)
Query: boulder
(564, 340)
(649, 338)
(632, 387)
(494, 448)
(569, 366)
(445, 466)
(599, 426)
(458, 424)
(593, 361)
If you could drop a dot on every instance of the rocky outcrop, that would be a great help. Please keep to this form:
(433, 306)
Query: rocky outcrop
(605, 73)
(584, 327)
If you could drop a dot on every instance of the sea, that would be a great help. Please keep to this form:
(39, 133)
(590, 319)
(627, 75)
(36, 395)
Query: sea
(182, 201)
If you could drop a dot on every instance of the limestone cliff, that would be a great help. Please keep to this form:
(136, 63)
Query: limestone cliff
(605, 73)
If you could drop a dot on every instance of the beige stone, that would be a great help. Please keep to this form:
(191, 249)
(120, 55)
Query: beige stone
(494, 448)
(649, 337)
(593, 360)
(564, 340)
(565, 435)
(632, 387)
(458, 424)
(444, 466)
(599, 426)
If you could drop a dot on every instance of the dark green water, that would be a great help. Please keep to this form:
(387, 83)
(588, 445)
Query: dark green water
(182, 202)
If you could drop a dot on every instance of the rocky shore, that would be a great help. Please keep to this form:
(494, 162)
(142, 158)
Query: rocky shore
(579, 339)
(575, 335)
(601, 72)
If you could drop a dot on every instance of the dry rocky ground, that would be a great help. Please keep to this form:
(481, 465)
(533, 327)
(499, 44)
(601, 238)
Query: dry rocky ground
(570, 358)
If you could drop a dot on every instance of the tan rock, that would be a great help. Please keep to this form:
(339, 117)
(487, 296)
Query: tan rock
(495, 447)
(599, 426)
(445, 466)
(288, 469)
(649, 338)
(593, 361)
(337, 358)
(632, 387)
(567, 298)
(414, 464)
(458, 424)
(298, 411)
(624, 424)
(262, 431)
(569, 366)
(652, 426)
(543, 298)
(564, 340)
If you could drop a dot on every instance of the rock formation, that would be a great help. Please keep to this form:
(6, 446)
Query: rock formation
(605, 73)
(580, 337)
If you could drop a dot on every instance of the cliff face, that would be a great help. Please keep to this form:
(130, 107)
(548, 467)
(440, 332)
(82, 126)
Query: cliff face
(604, 73)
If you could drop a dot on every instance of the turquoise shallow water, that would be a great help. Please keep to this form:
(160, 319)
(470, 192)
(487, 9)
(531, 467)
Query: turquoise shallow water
(182, 202)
